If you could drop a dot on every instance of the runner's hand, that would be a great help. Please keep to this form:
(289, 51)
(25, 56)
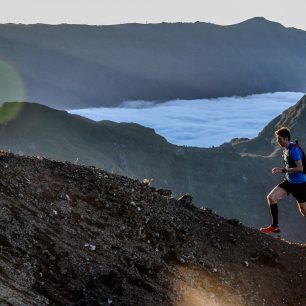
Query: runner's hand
(277, 170)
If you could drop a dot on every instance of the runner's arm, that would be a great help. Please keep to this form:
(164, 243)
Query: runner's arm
(298, 168)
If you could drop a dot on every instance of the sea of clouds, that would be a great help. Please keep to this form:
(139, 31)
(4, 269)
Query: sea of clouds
(200, 123)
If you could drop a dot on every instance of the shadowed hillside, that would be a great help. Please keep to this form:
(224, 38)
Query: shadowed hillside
(73, 235)
(77, 66)
(232, 179)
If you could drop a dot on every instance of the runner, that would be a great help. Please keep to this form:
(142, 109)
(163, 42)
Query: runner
(295, 179)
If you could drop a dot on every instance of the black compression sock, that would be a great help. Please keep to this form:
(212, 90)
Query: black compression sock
(274, 213)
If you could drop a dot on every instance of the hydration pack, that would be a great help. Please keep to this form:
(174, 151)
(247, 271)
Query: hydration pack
(291, 161)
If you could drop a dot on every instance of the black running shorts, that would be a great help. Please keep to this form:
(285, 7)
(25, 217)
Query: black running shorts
(297, 190)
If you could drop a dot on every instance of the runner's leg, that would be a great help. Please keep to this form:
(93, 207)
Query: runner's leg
(302, 208)
(273, 197)
(276, 195)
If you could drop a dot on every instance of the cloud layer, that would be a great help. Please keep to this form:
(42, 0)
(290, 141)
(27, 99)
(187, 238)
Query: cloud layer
(200, 123)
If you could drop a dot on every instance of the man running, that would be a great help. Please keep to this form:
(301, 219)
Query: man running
(295, 179)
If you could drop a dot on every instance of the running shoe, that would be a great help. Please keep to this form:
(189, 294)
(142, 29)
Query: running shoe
(270, 229)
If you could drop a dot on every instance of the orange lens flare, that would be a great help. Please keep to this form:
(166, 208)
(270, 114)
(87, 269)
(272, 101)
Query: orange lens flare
(196, 287)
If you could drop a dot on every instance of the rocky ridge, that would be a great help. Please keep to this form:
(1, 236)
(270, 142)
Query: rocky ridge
(80, 66)
(76, 235)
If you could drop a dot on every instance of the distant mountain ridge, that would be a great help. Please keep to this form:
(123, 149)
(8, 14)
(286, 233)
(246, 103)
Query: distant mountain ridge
(232, 179)
(77, 66)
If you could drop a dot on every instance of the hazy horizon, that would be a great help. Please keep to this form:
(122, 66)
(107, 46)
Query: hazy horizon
(107, 12)
(203, 122)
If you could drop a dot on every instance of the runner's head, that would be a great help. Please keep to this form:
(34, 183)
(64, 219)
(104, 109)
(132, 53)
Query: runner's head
(283, 136)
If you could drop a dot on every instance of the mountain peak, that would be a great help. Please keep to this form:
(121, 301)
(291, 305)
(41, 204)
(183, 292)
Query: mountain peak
(257, 19)
(260, 21)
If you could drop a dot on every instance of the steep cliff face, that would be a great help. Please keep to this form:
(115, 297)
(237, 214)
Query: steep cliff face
(264, 144)
(75, 235)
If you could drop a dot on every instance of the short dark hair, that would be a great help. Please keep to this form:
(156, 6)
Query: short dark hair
(283, 132)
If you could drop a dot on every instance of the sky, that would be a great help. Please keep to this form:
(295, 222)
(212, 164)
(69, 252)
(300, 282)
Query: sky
(204, 122)
(290, 13)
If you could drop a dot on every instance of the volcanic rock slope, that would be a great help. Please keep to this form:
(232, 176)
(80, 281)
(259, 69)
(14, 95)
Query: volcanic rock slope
(76, 235)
